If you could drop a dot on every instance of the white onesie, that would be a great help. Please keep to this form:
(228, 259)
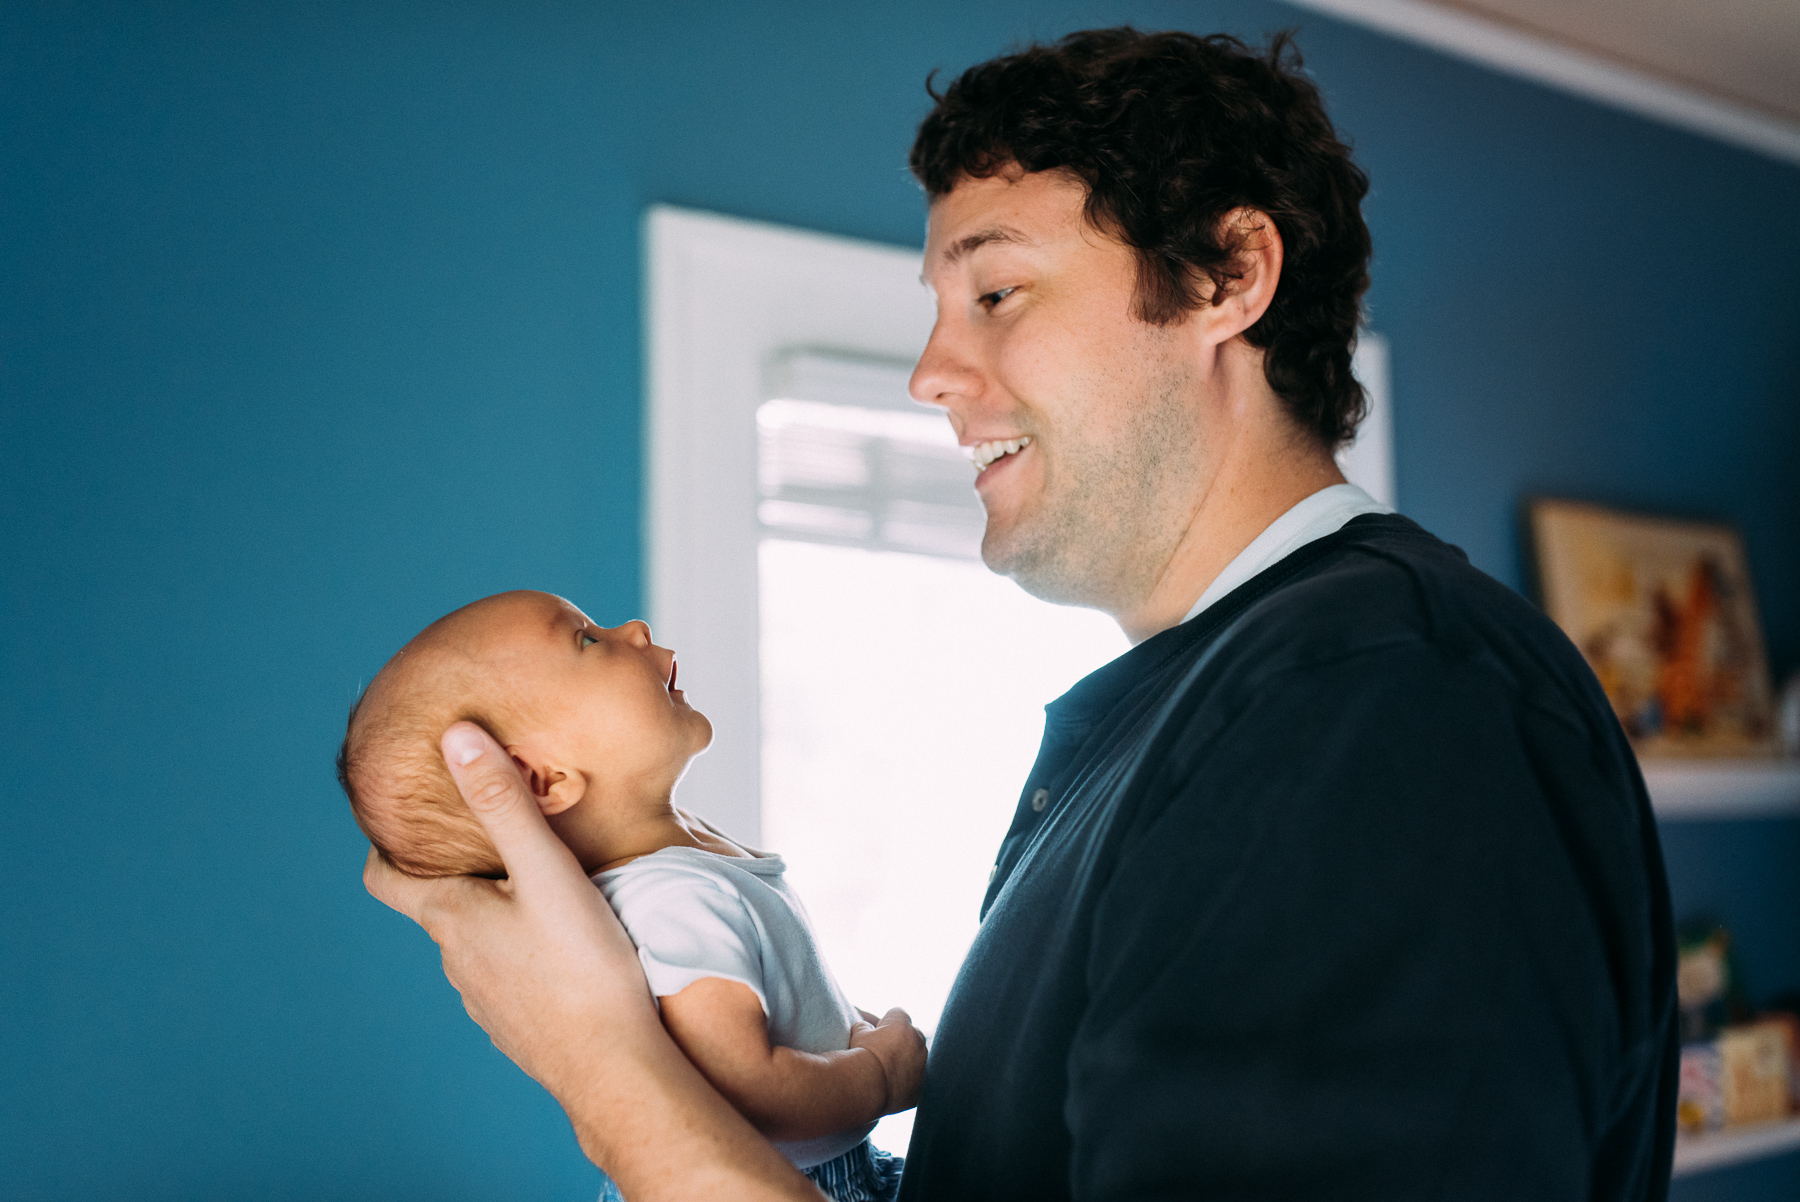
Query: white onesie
(693, 914)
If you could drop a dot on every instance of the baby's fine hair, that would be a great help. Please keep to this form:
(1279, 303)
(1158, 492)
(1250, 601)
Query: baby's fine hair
(401, 793)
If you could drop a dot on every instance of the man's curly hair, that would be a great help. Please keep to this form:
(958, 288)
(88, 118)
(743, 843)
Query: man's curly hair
(1171, 132)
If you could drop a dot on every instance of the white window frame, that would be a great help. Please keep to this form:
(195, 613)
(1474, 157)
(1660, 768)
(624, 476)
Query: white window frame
(726, 299)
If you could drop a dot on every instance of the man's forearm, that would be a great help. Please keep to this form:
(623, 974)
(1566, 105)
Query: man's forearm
(646, 1116)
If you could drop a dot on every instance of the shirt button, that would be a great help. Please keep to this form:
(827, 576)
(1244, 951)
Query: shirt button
(1039, 800)
(992, 873)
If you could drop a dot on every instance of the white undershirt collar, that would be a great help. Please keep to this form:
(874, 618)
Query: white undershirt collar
(1325, 512)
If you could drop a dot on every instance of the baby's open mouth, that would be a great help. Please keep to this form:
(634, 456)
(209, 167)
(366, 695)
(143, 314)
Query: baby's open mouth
(671, 674)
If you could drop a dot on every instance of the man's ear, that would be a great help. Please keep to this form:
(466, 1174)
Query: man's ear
(1240, 301)
(556, 789)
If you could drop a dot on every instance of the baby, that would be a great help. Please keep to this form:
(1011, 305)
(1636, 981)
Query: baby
(600, 733)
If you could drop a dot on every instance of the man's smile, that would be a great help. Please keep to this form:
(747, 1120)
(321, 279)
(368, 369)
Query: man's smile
(985, 453)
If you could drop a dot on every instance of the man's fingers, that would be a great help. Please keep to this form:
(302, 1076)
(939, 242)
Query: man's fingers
(420, 900)
(490, 782)
(393, 888)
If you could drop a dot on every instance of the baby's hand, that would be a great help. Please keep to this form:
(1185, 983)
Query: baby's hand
(899, 1047)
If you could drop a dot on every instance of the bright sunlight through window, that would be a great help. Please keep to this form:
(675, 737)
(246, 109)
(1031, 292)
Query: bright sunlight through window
(903, 688)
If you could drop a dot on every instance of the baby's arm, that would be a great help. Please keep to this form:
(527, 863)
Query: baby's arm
(786, 1094)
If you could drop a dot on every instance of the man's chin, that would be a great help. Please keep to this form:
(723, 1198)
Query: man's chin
(1038, 568)
(1003, 553)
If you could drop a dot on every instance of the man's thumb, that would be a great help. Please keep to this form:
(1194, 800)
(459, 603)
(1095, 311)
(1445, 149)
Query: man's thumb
(483, 771)
(491, 785)
(463, 744)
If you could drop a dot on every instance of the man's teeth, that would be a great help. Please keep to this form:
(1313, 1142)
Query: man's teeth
(984, 453)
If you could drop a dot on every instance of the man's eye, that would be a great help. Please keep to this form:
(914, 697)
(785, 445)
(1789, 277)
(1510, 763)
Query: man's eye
(588, 640)
(995, 297)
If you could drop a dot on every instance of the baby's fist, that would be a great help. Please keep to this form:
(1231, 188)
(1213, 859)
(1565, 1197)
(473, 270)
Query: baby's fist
(900, 1048)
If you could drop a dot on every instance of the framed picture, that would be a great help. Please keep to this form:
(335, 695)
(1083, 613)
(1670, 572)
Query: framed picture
(1663, 610)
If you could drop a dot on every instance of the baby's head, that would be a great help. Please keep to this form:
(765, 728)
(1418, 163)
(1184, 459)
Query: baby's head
(590, 715)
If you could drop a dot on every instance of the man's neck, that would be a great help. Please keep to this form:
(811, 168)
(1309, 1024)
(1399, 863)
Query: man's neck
(1248, 493)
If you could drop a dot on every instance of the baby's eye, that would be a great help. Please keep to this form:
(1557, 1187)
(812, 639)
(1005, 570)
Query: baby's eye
(588, 640)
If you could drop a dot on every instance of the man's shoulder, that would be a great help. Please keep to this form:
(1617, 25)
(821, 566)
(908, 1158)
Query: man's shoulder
(1383, 646)
(1385, 575)
(1385, 590)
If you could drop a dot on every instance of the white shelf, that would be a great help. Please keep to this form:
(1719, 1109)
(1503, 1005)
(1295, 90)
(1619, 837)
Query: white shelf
(1723, 788)
(1697, 1153)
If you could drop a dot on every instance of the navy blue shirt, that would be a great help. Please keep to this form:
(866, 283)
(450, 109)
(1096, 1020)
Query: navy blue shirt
(1347, 888)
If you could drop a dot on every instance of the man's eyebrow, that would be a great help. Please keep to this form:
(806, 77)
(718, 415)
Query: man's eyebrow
(997, 233)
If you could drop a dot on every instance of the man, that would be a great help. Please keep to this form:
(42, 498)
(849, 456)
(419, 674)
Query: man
(1340, 883)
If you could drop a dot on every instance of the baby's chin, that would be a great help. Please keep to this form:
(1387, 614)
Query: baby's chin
(706, 730)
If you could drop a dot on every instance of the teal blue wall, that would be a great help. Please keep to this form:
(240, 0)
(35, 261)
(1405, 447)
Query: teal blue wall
(317, 320)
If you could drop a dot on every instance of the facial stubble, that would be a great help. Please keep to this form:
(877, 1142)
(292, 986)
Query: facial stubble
(1111, 513)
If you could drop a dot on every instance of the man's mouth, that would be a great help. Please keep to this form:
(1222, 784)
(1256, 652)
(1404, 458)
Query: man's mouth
(985, 453)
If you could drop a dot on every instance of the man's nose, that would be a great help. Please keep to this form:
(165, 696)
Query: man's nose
(943, 376)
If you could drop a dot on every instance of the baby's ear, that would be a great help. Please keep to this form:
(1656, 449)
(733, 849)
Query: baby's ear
(554, 788)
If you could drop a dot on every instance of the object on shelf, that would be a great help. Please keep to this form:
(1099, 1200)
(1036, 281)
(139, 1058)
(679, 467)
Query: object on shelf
(1700, 1105)
(1664, 612)
(1785, 1009)
(1754, 1062)
(1708, 985)
(1741, 1079)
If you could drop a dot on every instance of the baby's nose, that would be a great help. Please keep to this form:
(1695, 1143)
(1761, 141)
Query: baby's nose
(638, 631)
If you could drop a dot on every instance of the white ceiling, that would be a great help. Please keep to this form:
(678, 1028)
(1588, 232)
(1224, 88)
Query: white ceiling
(1746, 51)
(1728, 69)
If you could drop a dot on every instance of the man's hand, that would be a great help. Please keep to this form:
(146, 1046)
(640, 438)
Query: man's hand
(544, 966)
(900, 1047)
(539, 958)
